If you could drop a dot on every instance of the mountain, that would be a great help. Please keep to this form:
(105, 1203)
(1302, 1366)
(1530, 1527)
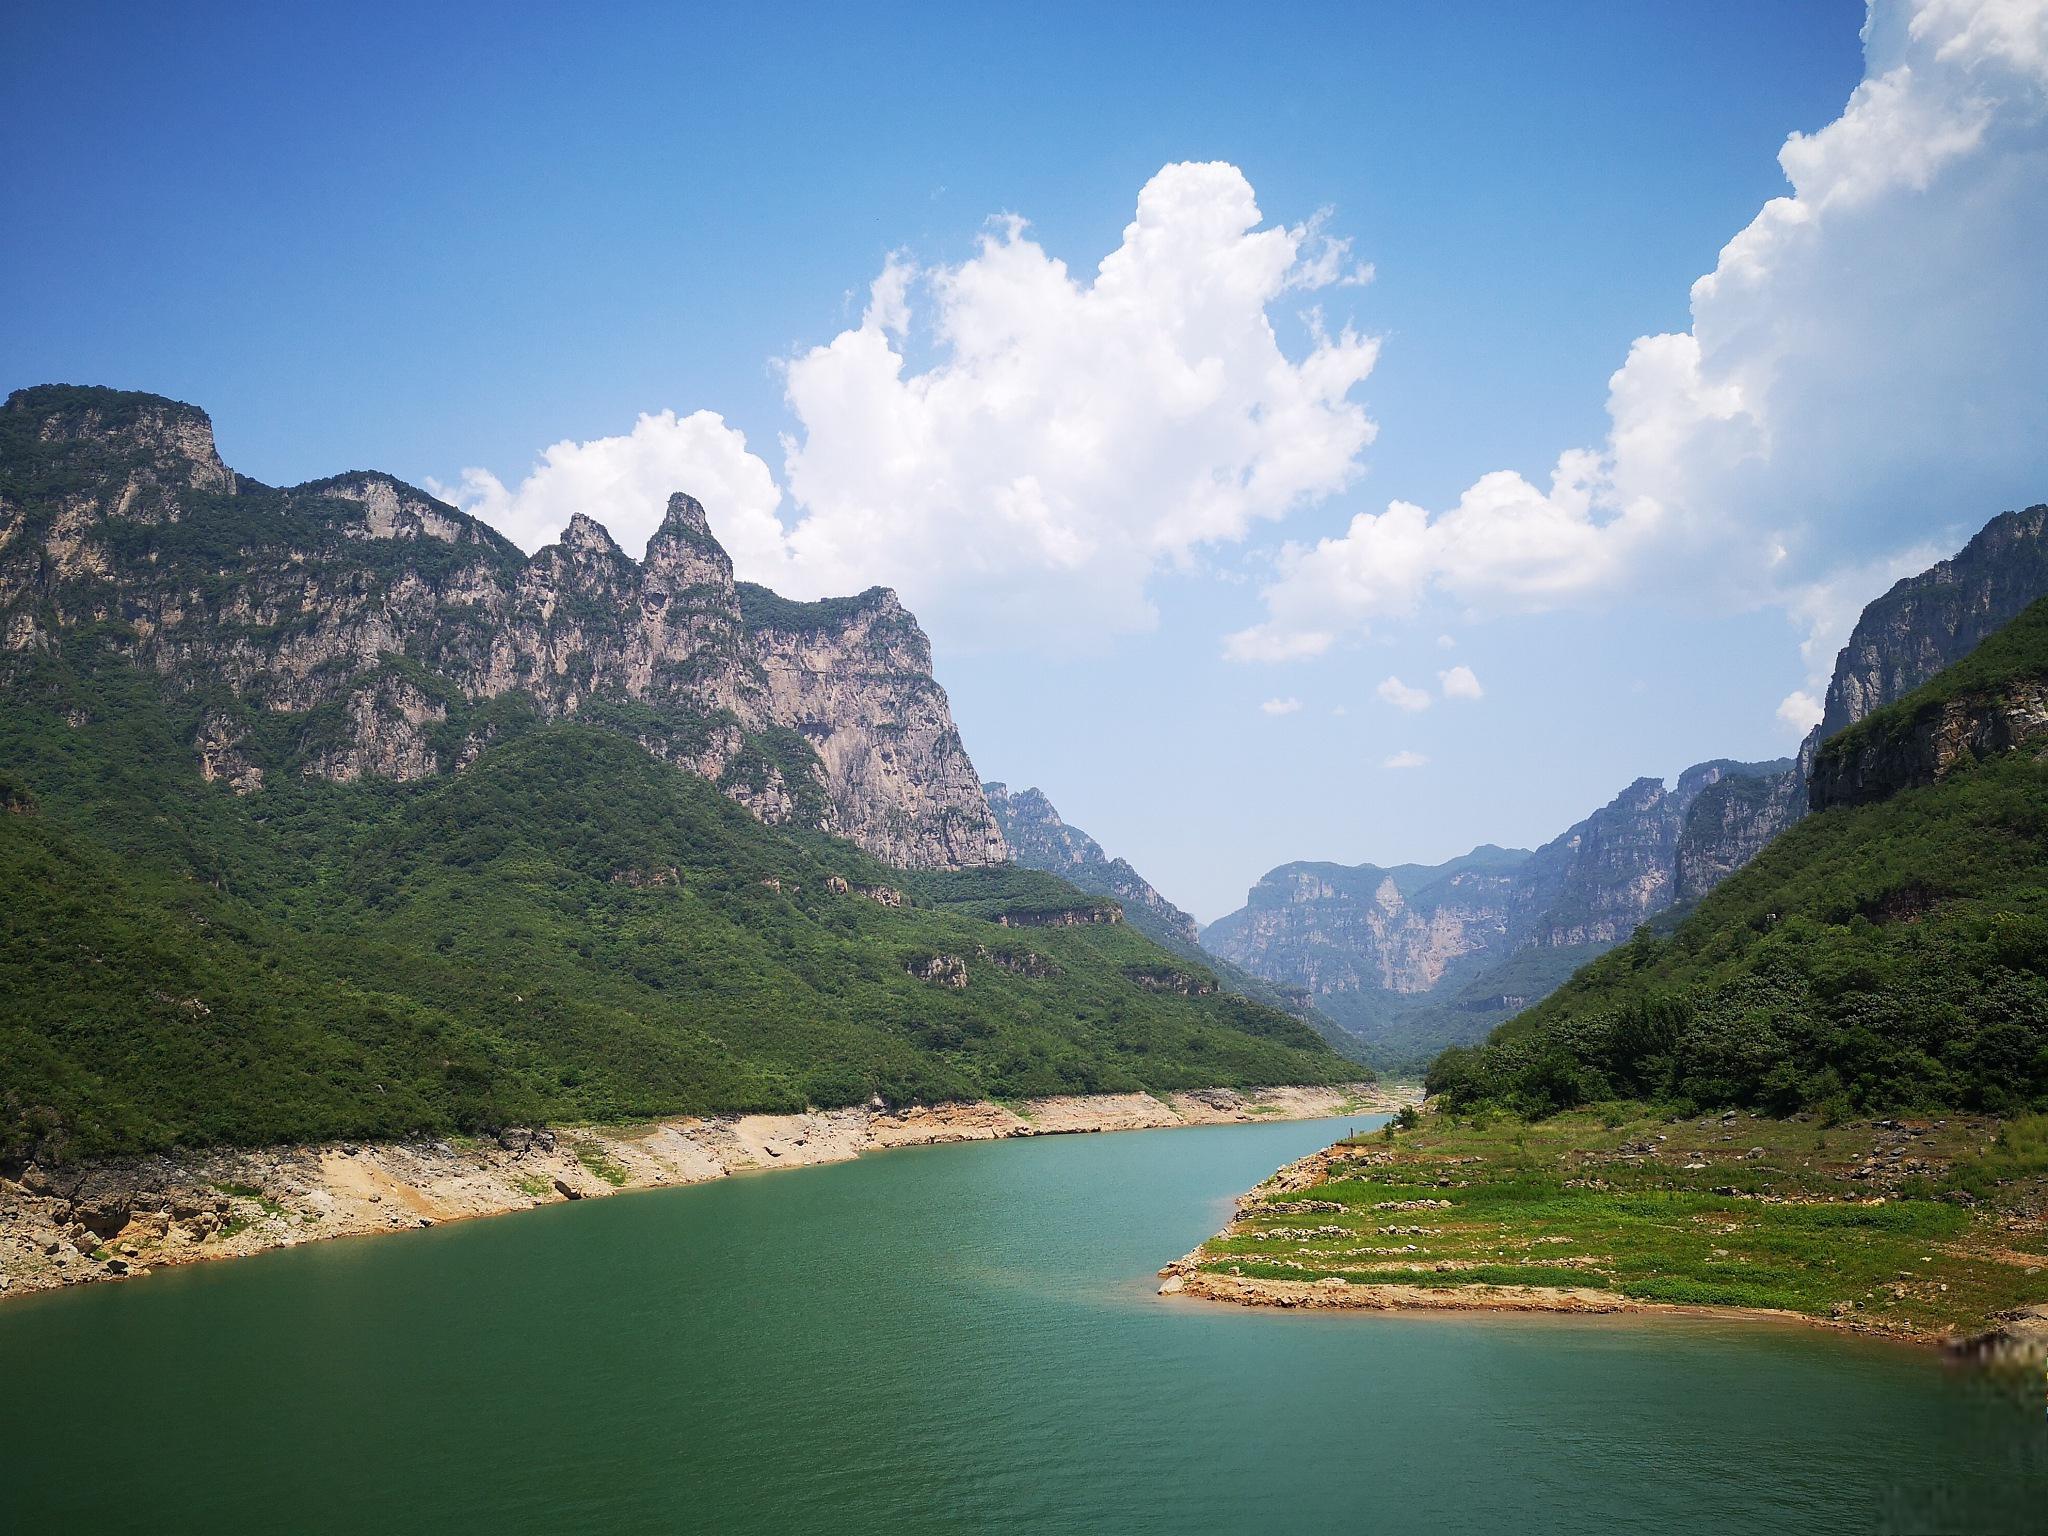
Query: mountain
(1039, 839)
(326, 813)
(1418, 956)
(355, 627)
(1890, 949)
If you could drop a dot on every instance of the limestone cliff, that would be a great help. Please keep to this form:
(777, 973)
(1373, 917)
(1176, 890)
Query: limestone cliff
(356, 627)
(1992, 703)
(1860, 770)
(1730, 823)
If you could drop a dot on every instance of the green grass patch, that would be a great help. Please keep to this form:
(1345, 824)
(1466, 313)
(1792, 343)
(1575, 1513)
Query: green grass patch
(1883, 1224)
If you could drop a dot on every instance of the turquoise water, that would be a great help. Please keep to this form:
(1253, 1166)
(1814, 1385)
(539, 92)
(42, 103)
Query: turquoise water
(948, 1339)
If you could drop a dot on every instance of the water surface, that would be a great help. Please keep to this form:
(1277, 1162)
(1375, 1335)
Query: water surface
(947, 1339)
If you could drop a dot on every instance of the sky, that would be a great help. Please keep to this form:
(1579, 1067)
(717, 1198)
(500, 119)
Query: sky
(1340, 432)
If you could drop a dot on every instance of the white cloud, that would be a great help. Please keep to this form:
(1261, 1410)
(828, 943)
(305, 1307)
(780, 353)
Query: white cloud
(1446, 643)
(1076, 432)
(1281, 706)
(1406, 759)
(1459, 683)
(1862, 364)
(1800, 711)
(1071, 434)
(1401, 696)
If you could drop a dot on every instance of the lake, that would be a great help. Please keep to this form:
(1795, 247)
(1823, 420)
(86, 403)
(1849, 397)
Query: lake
(954, 1338)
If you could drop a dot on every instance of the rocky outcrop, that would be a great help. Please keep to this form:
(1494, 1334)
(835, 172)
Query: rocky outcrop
(948, 971)
(1867, 765)
(1039, 839)
(357, 628)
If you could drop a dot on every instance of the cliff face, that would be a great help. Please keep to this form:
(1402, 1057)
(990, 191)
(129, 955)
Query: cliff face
(1335, 929)
(1993, 702)
(355, 627)
(1039, 839)
(1931, 621)
(1730, 823)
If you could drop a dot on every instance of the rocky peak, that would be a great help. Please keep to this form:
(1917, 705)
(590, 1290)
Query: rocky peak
(587, 537)
(1933, 620)
(683, 553)
(391, 509)
(162, 445)
(1993, 702)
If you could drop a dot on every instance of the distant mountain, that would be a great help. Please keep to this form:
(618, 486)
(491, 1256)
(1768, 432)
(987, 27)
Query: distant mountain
(1039, 839)
(1415, 957)
(1891, 949)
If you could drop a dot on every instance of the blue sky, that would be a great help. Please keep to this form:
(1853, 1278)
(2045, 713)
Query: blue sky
(440, 239)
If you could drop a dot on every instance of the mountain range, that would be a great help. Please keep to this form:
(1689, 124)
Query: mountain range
(1415, 958)
(1891, 949)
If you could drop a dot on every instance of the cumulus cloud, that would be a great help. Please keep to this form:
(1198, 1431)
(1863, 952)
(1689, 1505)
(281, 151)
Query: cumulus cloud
(1401, 696)
(1406, 759)
(1459, 683)
(1281, 706)
(1800, 711)
(1069, 434)
(1862, 365)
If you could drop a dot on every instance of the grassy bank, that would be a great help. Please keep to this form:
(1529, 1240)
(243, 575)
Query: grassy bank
(1922, 1226)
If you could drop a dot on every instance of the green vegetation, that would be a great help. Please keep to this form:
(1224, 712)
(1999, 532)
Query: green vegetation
(1888, 955)
(595, 1163)
(763, 609)
(566, 930)
(1922, 1226)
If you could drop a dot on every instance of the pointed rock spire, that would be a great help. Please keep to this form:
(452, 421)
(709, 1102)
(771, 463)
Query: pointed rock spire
(683, 551)
(585, 535)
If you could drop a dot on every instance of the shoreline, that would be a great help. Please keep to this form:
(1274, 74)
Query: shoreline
(1582, 1301)
(120, 1218)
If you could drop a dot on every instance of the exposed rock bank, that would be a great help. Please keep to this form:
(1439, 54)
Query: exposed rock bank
(118, 1219)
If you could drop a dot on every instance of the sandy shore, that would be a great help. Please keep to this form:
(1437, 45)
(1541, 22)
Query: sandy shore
(119, 1219)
